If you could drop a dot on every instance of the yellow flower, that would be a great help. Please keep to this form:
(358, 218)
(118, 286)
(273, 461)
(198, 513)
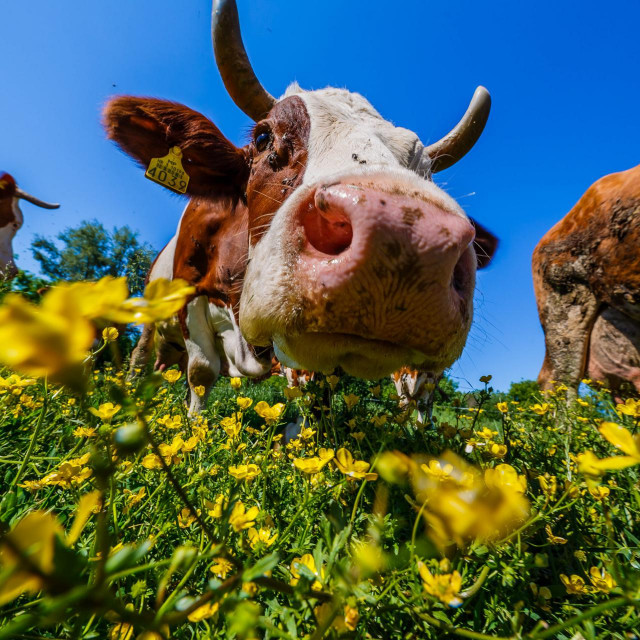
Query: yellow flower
(308, 561)
(333, 381)
(170, 451)
(221, 567)
(498, 450)
(199, 390)
(34, 536)
(351, 617)
(574, 585)
(231, 426)
(134, 499)
(486, 379)
(214, 509)
(121, 631)
(553, 539)
(437, 470)
(84, 432)
(316, 463)
(162, 299)
(151, 461)
(190, 444)
(235, 383)
(306, 433)
(620, 438)
(351, 400)
(244, 403)
(541, 409)
(581, 402)
(630, 408)
(52, 339)
(378, 421)
(241, 519)
(486, 434)
(267, 413)
(601, 580)
(205, 611)
(549, 485)
(465, 505)
(291, 393)
(172, 375)
(186, 518)
(353, 469)
(110, 334)
(445, 587)
(171, 422)
(502, 407)
(599, 492)
(244, 471)
(262, 537)
(105, 411)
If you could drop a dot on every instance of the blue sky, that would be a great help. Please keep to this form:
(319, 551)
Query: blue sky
(563, 77)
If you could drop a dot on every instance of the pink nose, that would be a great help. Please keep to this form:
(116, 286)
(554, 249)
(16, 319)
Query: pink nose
(349, 225)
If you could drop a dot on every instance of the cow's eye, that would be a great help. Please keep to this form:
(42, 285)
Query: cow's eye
(262, 140)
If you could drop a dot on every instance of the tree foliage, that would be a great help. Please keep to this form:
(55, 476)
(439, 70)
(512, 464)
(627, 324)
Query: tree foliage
(89, 252)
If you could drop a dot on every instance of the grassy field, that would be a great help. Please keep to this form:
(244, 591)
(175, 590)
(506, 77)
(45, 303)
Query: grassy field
(511, 516)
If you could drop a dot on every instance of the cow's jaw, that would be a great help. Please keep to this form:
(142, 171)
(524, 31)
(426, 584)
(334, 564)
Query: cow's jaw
(357, 268)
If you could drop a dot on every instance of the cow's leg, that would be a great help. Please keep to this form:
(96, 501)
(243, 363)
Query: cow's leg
(203, 362)
(567, 320)
(142, 351)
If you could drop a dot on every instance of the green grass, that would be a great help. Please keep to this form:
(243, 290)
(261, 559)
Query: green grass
(148, 563)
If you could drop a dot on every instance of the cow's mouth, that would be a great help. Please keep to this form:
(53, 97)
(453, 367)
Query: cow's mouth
(361, 357)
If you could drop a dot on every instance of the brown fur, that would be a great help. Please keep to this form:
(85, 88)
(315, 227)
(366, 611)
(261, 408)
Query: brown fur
(589, 260)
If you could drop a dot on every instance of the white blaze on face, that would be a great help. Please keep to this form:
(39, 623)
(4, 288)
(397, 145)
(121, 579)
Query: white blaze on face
(7, 233)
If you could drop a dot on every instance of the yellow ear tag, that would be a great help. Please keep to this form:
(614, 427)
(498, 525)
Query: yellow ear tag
(168, 171)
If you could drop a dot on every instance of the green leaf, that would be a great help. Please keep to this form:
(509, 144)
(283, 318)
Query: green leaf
(126, 557)
(261, 567)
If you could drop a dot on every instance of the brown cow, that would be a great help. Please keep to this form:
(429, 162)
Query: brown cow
(586, 274)
(11, 220)
(324, 237)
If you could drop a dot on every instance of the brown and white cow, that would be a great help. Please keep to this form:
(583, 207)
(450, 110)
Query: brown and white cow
(586, 274)
(324, 237)
(11, 220)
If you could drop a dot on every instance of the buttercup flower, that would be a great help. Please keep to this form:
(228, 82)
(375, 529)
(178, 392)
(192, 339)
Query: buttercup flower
(601, 580)
(221, 567)
(353, 469)
(445, 587)
(235, 383)
(244, 403)
(241, 518)
(316, 463)
(205, 611)
(172, 375)
(351, 400)
(502, 407)
(574, 585)
(267, 413)
(110, 334)
(261, 537)
(105, 411)
(308, 561)
(541, 409)
(244, 471)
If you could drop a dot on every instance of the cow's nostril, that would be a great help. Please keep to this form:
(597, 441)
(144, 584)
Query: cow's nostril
(461, 279)
(328, 230)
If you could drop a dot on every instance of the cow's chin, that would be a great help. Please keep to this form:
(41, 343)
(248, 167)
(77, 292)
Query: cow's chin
(360, 357)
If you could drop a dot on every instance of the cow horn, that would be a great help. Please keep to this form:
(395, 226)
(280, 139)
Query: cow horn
(39, 203)
(464, 135)
(234, 66)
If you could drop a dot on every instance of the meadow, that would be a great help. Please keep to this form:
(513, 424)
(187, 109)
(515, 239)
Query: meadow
(509, 515)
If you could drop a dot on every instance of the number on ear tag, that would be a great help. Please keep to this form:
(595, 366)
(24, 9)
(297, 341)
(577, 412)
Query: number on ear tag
(168, 171)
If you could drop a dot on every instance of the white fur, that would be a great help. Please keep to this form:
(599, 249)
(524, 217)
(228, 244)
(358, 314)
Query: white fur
(7, 233)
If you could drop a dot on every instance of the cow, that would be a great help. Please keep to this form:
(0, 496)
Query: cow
(324, 238)
(416, 388)
(11, 220)
(586, 275)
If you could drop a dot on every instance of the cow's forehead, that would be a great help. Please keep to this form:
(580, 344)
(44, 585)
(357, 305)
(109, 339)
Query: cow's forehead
(346, 129)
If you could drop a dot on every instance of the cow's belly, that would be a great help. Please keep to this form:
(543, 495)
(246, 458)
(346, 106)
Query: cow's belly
(614, 349)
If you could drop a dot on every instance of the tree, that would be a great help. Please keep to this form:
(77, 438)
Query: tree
(90, 252)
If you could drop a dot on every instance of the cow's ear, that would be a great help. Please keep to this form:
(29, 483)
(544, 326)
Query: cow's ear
(147, 128)
(485, 244)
